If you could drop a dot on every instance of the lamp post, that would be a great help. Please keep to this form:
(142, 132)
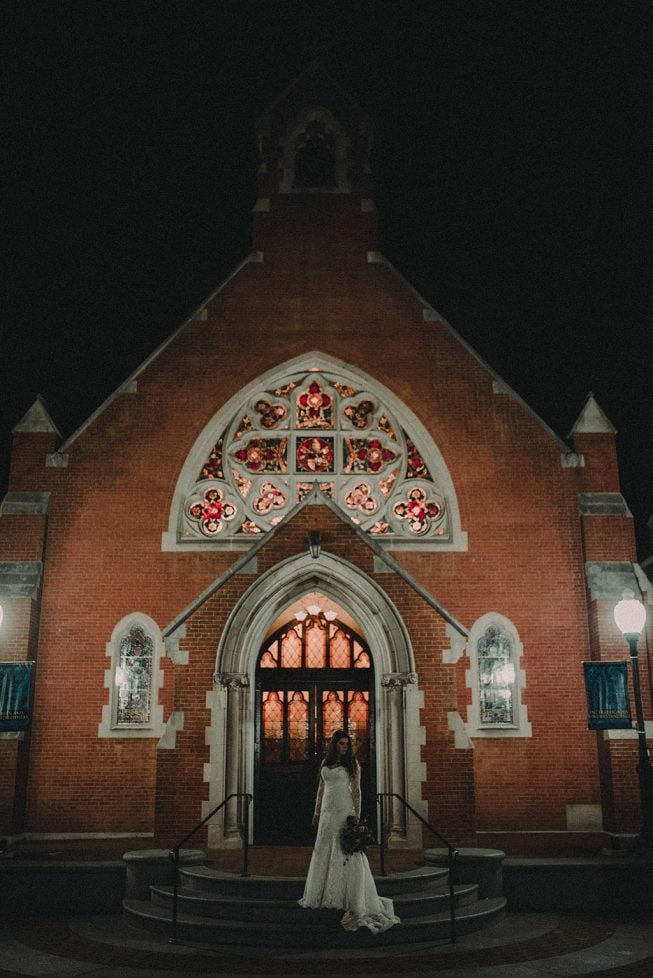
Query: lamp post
(630, 616)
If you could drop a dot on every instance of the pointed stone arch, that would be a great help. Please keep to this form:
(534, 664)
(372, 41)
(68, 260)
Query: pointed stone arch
(397, 696)
(193, 483)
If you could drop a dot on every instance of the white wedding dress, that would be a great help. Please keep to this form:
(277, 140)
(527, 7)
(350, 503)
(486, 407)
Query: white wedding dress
(334, 878)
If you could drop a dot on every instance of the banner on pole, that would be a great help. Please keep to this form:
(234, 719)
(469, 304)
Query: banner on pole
(15, 695)
(608, 703)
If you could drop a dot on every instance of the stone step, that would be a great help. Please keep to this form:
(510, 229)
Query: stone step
(300, 931)
(265, 908)
(206, 879)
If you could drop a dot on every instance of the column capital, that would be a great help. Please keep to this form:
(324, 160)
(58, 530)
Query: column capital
(231, 680)
(398, 680)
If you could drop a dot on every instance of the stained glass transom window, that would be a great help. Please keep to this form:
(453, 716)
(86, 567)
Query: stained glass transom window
(133, 679)
(315, 427)
(314, 643)
(496, 678)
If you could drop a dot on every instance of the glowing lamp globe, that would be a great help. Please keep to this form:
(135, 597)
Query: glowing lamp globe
(630, 614)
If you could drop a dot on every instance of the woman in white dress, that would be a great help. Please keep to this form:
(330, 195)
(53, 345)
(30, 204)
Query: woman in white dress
(336, 879)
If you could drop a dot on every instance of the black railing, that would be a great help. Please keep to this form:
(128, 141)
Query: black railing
(174, 853)
(452, 852)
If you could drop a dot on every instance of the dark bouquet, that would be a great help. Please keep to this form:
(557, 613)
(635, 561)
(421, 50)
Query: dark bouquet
(355, 836)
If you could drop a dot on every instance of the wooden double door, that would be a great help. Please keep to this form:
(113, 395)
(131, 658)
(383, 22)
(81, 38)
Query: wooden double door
(298, 707)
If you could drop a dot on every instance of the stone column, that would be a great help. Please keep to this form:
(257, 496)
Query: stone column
(394, 696)
(237, 687)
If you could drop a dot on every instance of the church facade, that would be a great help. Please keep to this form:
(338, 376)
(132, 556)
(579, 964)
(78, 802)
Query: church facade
(315, 507)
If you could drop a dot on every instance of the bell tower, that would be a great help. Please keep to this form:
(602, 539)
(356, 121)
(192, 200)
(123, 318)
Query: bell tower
(315, 175)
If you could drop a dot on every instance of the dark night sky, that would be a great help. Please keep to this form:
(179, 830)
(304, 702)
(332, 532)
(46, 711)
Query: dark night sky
(513, 180)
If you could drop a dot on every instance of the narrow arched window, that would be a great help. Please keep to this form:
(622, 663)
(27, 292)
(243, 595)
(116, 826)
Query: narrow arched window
(315, 162)
(496, 679)
(133, 680)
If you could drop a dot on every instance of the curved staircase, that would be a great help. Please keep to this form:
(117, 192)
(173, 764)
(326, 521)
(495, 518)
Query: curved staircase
(221, 908)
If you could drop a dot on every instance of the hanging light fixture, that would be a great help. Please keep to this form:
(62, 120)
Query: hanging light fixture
(314, 543)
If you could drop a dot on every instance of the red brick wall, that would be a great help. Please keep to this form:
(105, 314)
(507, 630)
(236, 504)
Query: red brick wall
(314, 290)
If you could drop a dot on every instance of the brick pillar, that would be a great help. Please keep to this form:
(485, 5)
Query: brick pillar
(610, 568)
(24, 513)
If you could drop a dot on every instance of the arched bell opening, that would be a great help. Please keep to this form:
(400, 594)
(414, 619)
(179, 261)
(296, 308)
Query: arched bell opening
(314, 676)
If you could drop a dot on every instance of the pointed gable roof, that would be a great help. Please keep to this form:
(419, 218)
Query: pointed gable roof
(592, 420)
(314, 85)
(37, 419)
(315, 496)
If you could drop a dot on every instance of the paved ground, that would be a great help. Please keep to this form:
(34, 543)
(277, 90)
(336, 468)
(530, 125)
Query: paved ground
(522, 946)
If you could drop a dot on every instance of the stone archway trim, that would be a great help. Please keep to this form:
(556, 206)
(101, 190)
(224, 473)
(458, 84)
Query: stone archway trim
(316, 496)
(398, 699)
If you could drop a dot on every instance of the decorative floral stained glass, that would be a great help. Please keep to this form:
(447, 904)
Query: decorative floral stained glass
(368, 455)
(361, 498)
(285, 389)
(312, 427)
(496, 677)
(386, 426)
(212, 468)
(244, 485)
(269, 498)
(385, 485)
(314, 407)
(263, 455)
(270, 414)
(304, 488)
(415, 465)
(359, 414)
(211, 512)
(417, 510)
(315, 455)
(133, 678)
(242, 429)
(345, 390)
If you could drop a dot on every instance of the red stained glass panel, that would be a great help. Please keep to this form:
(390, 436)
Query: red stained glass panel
(272, 726)
(339, 650)
(315, 645)
(298, 719)
(291, 650)
(333, 712)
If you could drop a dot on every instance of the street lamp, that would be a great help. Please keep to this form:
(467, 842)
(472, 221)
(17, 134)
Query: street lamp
(630, 616)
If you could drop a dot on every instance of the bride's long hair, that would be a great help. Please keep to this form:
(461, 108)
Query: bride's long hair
(332, 756)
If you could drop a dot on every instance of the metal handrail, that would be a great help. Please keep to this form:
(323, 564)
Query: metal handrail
(174, 852)
(451, 851)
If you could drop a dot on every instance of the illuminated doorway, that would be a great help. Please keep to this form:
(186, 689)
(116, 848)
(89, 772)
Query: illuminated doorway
(314, 676)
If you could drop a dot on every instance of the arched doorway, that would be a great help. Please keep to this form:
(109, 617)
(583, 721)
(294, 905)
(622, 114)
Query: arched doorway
(314, 676)
(397, 699)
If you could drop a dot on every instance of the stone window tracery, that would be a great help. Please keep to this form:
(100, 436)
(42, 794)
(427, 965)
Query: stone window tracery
(312, 427)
